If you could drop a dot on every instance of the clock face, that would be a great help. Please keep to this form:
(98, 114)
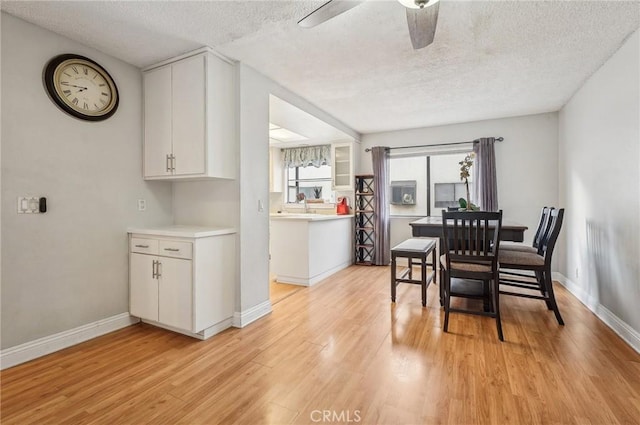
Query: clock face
(81, 87)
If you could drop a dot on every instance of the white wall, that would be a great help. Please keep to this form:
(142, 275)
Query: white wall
(526, 161)
(199, 202)
(600, 186)
(68, 267)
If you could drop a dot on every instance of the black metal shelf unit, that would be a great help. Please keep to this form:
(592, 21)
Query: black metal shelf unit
(364, 216)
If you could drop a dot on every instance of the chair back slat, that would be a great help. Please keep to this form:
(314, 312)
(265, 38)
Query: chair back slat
(471, 235)
(543, 227)
(548, 241)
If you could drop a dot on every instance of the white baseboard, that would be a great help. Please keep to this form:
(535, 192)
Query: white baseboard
(243, 318)
(310, 281)
(203, 334)
(619, 326)
(40, 347)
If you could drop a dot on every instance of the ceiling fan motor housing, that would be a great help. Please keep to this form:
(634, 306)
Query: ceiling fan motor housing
(418, 4)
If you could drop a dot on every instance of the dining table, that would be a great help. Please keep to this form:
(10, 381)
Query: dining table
(432, 227)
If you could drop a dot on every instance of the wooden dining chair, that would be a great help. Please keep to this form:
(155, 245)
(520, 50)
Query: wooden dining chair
(515, 264)
(543, 227)
(471, 242)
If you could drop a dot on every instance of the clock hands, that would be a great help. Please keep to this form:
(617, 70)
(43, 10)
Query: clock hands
(64, 83)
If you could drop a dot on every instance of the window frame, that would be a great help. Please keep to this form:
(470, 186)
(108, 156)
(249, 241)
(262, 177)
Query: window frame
(428, 181)
(297, 181)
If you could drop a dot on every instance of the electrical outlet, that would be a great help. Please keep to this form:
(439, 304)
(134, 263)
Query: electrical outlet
(28, 205)
(142, 204)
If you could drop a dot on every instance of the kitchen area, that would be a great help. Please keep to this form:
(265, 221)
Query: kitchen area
(311, 187)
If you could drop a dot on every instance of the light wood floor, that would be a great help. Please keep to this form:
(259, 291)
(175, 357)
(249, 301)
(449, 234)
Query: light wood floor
(342, 347)
(280, 291)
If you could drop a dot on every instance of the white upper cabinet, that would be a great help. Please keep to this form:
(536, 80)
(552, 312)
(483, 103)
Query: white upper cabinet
(189, 118)
(188, 87)
(342, 166)
(157, 123)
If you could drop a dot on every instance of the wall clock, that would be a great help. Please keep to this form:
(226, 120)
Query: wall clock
(81, 87)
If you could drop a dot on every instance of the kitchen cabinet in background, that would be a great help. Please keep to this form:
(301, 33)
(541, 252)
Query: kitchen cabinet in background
(189, 118)
(342, 166)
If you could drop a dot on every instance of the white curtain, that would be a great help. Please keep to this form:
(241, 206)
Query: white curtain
(305, 156)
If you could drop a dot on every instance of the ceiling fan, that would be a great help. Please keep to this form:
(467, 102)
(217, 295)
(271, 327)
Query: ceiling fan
(422, 17)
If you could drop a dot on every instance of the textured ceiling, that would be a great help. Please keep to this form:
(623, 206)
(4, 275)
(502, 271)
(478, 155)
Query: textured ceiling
(490, 59)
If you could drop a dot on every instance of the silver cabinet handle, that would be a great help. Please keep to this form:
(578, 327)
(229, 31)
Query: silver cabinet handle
(142, 246)
(168, 167)
(158, 269)
(172, 249)
(153, 269)
(173, 162)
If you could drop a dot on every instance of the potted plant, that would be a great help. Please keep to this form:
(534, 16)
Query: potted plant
(465, 166)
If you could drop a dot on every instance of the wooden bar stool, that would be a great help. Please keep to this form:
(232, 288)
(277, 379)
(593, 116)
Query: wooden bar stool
(416, 251)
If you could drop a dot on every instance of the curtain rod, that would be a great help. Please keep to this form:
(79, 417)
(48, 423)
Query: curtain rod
(498, 139)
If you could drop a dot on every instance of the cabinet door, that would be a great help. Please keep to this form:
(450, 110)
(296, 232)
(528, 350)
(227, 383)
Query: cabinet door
(175, 293)
(143, 287)
(342, 166)
(189, 132)
(157, 121)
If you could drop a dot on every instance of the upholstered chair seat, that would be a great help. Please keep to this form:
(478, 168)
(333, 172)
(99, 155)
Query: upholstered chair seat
(518, 246)
(521, 258)
(468, 267)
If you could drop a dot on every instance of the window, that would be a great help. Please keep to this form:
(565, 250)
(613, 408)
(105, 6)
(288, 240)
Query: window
(447, 194)
(433, 180)
(313, 182)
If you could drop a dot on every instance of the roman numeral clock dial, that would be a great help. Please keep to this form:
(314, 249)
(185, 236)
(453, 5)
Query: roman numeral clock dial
(81, 87)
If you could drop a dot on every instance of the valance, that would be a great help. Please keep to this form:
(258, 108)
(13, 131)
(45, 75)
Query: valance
(305, 156)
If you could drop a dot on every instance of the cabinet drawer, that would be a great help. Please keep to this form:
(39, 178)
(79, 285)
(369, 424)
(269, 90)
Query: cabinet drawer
(175, 249)
(144, 246)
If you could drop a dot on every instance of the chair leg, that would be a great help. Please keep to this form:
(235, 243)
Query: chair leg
(495, 289)
(446, 287)
(423, 276)
(543, 289)
(393, 279)
(441, 286)
(552, 297)
(487, 301)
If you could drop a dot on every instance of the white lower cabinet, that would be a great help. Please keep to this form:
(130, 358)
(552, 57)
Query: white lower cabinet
(143, 290)
(183, 282)
(175, 293)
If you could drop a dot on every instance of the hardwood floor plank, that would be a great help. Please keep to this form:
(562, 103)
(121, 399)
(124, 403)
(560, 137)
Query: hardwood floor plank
(342, 349)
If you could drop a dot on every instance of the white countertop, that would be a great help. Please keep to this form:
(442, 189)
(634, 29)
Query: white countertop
(183, 231)
(308, 217)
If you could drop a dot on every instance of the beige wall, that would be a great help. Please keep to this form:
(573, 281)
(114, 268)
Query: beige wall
(68, 267)
(600, 188)
(527, 161)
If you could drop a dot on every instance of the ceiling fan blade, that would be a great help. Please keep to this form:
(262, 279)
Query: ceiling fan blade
(422, 25)
(327, 11)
